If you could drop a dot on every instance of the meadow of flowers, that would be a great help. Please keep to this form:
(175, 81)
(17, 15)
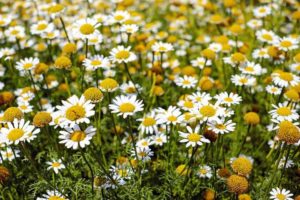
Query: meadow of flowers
(150, 99)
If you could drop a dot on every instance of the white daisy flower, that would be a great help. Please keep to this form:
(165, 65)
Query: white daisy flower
(285, 163)
(285, 79)
(204, 171)
(96, 62)
(266, 36)
(74, 137)
(52, 195)
(200, 97)
(17, 131)
(286, 43)
(221, 126)
(144, 143)
(271, 89)
(170, 116)
(143, 154)
(228, 98)
(148, 123)
(119, 16)
(27, 64)
(130, 88)
(122, 54)
(9, 155)
(186, 81)
(281, 194)
(243, 80)
(262, 11)
(126, 105)
(193, 137)
(251, 68)
(159, 139)
(41, 27)
(284, 112)
(55, 165)
(162, 47)
(75, 111)
(85, 28)
(201, 62)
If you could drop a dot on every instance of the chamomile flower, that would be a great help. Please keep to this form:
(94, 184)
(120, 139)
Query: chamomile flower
(170, 116)
(200, 97)
(75, 138)
(162, 47)
(9, 154)
(148, 123)
(286, 43)
(130, 88)
(243, 80)
(207, 111)
(126, 105)
(16, 132)
(96, 62)
(186, 104)
(221, 126)
(204, 171)
(122, 54)
(251, 68)
(285, 79)
(201, 62)
(228, 98)
(266, 36)
(55, 9)
(75, 111)
(27, 64)
(285, 163)
(283, 111)
(85, 28)
(262, 11)
(129, 28)
(41, 27)
(144, 143)
(193, 137)
(143, 154)
(52, 195)
(55, 165)
(159, 139)
(280, 194)
(120, 16)
(186, 81)
(271, 89)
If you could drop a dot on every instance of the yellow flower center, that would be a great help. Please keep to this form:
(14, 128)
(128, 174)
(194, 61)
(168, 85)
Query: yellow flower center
(281, 196)
(56, 198)
(14, 32)
(202, 171)
(267, 36)
(158, 140)
(108, 84)
(249, 69)
(286, 76)
(208, 111)
(27, 65)
(15, 134)
(228, 99)
(123, 54)
(75, 112)
(77, 136)
(119, 17)
(221, 126)
(55, 164)
(243, 80)
(284, 111)
(194, 137)
(126, 107)
(186, 82)
(172, 118)
(262, 10)
(56, 8)
(149, 121)
(238, 57)
(161, 48)
(188, 104)
(130, 90)
(96, 62)
(87, 29)
(285, 44)
(41, 27)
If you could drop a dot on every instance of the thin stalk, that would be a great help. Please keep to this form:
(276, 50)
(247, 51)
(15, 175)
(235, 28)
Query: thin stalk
(89, 166)
(64, 27)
